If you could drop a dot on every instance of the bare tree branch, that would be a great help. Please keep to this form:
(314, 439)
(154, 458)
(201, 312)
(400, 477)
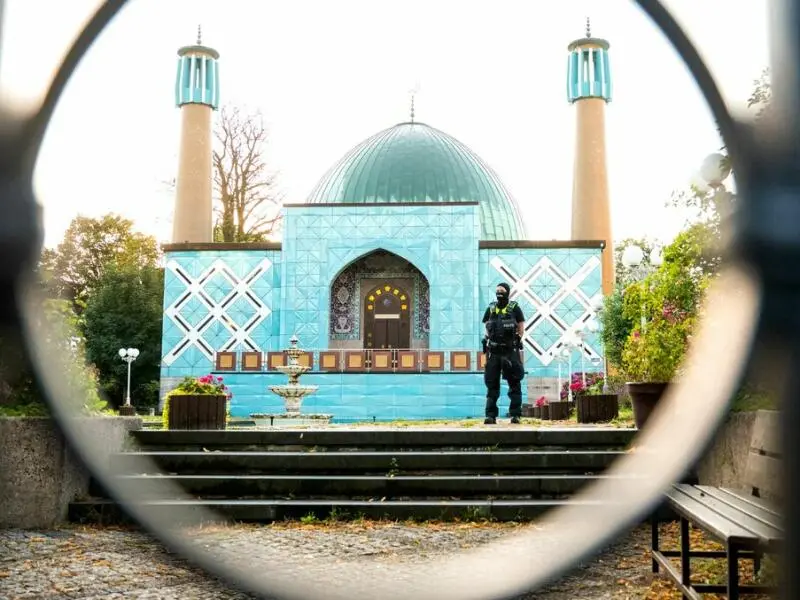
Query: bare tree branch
(247, 198)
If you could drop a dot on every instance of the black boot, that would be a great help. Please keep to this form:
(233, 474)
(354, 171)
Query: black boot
(515, 420)
(489, 421)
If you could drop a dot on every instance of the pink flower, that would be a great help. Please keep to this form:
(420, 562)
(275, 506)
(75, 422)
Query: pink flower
(219, 378)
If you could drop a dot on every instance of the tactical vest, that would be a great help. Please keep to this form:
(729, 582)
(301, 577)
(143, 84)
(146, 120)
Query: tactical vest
(502, 323)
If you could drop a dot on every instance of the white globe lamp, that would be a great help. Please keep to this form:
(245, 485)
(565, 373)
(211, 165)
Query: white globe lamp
(715, 169)
(632, 256)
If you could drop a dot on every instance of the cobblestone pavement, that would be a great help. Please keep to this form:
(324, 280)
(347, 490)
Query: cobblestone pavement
(95, 563)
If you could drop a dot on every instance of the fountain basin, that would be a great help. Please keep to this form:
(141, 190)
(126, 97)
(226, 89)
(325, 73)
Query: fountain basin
(266, 420)
(291, 369)
(293, 395)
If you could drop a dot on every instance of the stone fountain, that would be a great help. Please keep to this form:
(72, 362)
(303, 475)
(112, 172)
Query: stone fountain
(292, 393)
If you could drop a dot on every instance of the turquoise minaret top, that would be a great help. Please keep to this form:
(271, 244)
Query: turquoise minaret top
(197, 81)
(588, 69)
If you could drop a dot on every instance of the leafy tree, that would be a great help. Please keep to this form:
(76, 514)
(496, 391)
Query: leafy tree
(617, 326)
(247, 193)
(125, 310)
(711, 205)
(90, 246)
(669, 300)
(58, 324)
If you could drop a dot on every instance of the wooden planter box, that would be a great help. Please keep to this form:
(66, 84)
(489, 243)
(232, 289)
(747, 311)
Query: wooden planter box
(541, 412)
(597, 408)
(201, 411)
(559, 411)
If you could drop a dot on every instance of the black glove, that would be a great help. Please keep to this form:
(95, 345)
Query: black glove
(485, 344)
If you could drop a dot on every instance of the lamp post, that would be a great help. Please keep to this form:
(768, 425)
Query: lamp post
(713, 173)
(596, 305)
(570, 343)
(633, 259)
(560, 356)
(580, 333)
(128, 355)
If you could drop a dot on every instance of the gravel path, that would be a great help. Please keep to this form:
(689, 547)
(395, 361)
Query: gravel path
(94, 563)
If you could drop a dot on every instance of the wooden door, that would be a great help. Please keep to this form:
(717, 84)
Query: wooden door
(387, 318)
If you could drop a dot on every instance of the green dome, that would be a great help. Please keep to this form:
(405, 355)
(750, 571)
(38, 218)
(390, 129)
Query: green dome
(413, 162)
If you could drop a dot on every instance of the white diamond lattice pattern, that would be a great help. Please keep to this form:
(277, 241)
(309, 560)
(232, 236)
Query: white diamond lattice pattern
(537, 287)
(218, 311)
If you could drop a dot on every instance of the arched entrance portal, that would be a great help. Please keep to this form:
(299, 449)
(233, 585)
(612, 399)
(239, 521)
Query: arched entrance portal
(387, 318)
(350, 319)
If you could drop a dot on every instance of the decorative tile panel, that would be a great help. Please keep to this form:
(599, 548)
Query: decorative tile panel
(217, 302)
(554, 288)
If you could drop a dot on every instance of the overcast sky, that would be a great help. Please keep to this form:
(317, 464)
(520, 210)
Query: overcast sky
(326, 75)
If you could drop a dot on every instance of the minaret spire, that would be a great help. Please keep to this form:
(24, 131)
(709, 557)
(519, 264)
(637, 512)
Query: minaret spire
(589, 90)
(197, 96)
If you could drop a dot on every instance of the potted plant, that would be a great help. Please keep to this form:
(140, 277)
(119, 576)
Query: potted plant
(666, 305)
(541, 409)
(197, 403)
(592, 403)
(650, 360)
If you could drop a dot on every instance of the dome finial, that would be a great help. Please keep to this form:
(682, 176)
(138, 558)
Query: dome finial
(199, 35)
(588, 28)
(413, 93)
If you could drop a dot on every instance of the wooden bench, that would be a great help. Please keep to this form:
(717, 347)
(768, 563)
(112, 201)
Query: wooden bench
(749, 526)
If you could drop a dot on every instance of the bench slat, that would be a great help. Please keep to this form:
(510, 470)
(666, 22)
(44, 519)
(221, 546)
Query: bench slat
(757, 510)
(755, 528)
(757, 502)
(704, 516)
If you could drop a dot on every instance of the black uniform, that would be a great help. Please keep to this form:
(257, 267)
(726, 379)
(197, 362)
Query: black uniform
(502, 345)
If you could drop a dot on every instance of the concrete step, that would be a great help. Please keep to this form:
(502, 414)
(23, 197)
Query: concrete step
(386, 438)
(389, 486)
(332, 463)
(191, 512)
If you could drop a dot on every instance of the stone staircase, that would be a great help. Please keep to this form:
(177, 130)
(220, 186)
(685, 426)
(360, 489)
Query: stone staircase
(507, 474)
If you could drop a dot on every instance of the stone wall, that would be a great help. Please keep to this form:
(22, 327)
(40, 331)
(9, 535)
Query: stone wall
(724, 463)
(40, 475)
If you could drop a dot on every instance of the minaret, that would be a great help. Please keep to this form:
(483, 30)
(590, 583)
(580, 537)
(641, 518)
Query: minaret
(589, 89)
(196, 94)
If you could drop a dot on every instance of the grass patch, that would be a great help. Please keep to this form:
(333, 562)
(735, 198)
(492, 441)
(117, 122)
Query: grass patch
(33, 409)
(753, 401)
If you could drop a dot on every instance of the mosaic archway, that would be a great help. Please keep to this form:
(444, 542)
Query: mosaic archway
(351, 287)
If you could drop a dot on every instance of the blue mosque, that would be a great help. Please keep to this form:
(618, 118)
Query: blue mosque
(384, 272)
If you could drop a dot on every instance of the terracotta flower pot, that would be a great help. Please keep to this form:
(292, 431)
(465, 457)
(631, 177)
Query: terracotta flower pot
(644, 397)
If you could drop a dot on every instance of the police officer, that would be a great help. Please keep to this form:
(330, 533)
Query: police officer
(504, 323)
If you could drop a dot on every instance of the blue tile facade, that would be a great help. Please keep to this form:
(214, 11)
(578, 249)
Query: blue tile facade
(364, 396)
(439, 240)
(255, 300)
(554, 287)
